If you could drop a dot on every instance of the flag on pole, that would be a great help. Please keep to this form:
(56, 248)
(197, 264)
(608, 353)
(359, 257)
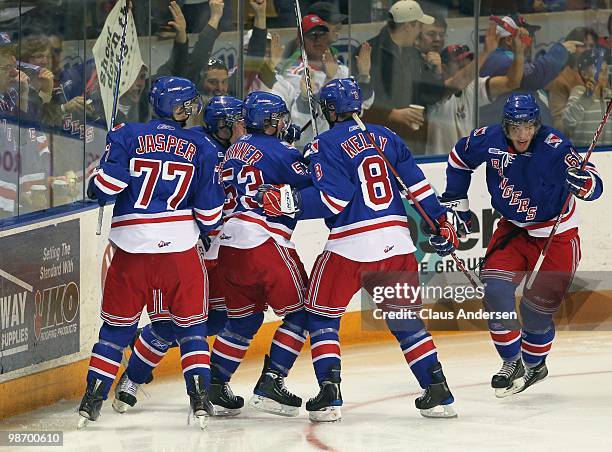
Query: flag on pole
(107, 53)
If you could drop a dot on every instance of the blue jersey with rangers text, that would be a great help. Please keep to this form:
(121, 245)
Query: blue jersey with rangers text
(362, 202)
(165, 183)
(253, 160)
(528, 189)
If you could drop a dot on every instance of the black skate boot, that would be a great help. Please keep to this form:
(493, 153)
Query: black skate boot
(437, 400)
(271, 396)
(534, 375)
(325, 406)
(125, 394)
(199, 402)
(91, 404)
(508, 379)
(224, 401)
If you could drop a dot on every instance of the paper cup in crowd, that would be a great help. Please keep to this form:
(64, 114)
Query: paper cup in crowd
(419, 108)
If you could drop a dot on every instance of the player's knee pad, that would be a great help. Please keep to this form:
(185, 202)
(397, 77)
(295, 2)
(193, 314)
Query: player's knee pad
(319, 324)
(409, 337)
(188, 333)
(535, 321)
(296, 322)
(400, 327)
(216, 321)
(246, 327)
(499, 300)
(163, 330)
(117, 337)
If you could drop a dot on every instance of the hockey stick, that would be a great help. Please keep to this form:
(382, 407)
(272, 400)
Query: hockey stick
(542, 256)
(311, 102)
(115, 101)
(412, 198)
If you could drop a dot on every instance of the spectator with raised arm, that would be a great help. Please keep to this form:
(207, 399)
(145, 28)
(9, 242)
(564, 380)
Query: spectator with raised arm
(560, 88)
(324, 66)
(587, 102)
(537, 73)
(452, 118)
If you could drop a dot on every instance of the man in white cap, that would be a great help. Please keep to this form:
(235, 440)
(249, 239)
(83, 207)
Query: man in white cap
(400, 74)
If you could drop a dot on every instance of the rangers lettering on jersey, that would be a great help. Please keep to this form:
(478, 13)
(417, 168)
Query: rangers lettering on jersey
(528, 189)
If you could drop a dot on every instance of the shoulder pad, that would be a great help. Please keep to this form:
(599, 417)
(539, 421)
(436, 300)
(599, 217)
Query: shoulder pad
(289, 146)
(118, 126)
(480, 131)
(553, 140)
(314, 146)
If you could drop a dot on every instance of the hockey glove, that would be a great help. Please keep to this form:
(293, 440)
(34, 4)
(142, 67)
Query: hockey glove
(580, 182)
(277, 200)
(445, 241)
(292, 134)
(461, 215)
(91, 189)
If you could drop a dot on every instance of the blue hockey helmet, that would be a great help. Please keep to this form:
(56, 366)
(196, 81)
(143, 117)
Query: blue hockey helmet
(341, 95)
(168, 93)
(520, 108)
(262, 109)
(221, 112)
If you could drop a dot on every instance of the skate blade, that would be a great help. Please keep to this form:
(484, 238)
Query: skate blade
(270, 406)
(439, 411)
(523, 386)
(200, 416)
(203, 421)
(120, 407)
(514, 388)
(327, 414)
(83, 421)
(222, 411)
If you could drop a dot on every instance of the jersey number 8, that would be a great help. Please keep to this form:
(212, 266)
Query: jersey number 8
(375, 183)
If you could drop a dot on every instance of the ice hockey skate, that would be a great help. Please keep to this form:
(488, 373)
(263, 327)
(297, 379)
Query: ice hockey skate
(271, 396)
(199, 402)
(532, 376)
(91, 404)
(224, 402)
(437, 400)
(325, 406)
(125, 394)
(508, 379)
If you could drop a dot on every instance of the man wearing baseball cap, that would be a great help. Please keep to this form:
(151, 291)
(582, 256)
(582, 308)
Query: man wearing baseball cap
(324, 66)
(400, 74)
(537, 74)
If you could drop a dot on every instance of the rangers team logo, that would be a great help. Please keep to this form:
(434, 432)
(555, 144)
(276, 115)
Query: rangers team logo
(480, 131)
(314, 146)
(553, 140)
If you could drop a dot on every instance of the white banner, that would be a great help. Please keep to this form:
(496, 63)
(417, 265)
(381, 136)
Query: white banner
(107, 54)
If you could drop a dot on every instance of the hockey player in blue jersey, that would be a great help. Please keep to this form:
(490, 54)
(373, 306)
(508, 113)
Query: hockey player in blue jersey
(223, 118)
(363, 208)
(530, 170)
(260, 266)
(162, 178)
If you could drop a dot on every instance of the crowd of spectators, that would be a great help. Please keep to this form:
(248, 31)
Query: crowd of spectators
(413, 80)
